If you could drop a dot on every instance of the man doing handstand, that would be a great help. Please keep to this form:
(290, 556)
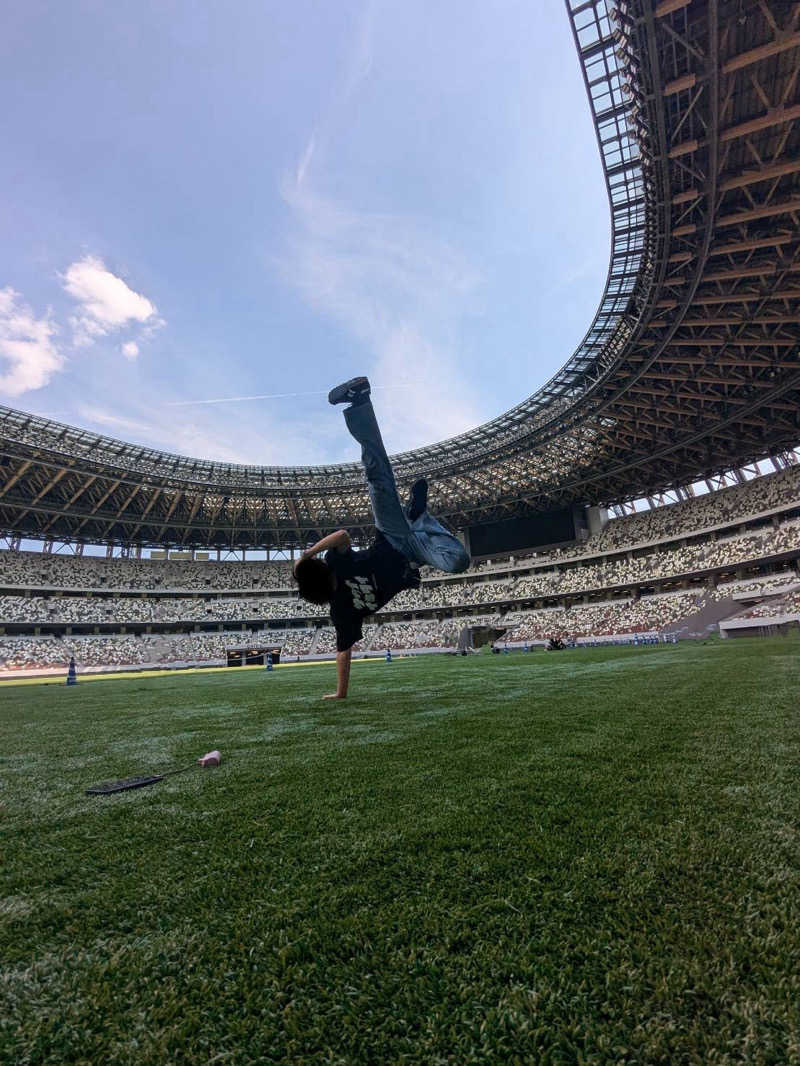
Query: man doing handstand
(358, 583)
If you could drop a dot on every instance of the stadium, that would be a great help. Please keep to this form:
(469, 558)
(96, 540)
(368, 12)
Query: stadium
(587, 855)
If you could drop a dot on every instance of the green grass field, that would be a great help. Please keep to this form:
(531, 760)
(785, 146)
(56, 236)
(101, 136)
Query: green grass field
(582, 857)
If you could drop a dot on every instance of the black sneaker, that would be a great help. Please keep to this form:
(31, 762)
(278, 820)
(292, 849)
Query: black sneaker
(411, 576)
(417, 499)
(354, 391)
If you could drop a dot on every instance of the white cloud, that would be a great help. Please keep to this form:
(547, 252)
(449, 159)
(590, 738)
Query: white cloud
(396, 287)
(208, 433)
(29, 356)
(401, 292)
(107, 302)
(130, 349)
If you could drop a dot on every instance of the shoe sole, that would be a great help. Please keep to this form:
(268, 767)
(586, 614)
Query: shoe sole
(349, 390)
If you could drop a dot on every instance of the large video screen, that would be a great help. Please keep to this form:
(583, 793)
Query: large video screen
(519, 534)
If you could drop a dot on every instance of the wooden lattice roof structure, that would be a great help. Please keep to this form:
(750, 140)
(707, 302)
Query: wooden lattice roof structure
(691, 365)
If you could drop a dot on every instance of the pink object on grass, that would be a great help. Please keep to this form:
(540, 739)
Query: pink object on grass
(212, 759)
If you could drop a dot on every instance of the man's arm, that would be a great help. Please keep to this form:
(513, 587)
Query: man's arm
(339, 540)
(343, 659)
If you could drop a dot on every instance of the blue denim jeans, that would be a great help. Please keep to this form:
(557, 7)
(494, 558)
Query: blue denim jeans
(425, 540)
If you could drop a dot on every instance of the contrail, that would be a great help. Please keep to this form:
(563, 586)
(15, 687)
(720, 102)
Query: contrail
(265, 396)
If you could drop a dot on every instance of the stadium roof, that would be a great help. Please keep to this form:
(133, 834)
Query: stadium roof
(691, 365)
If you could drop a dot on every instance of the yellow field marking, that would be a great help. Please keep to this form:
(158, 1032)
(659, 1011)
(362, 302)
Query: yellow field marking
(127, 675)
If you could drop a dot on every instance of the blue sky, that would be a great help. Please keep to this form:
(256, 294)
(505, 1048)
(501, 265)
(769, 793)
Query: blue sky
(205, 201)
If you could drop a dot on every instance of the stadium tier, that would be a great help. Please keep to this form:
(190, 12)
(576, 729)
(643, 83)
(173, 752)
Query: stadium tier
(641, 574)
(784, 605)
(690, 366)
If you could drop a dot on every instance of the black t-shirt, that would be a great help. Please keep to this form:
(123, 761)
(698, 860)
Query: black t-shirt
(365, 581)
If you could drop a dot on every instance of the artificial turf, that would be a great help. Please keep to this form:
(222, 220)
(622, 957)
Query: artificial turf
(579, 857)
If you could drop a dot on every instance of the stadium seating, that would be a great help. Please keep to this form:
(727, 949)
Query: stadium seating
(647, 615)
(561, 581)
(47, 652)
(91, 610)
(534, 597)
(762, 494)
(36, 570)
(760, 587)
(775, 607)
(298, 641)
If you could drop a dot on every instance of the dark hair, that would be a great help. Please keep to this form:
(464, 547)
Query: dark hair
(315, 580)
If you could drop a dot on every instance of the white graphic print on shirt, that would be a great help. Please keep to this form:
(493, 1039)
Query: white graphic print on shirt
(363, 594)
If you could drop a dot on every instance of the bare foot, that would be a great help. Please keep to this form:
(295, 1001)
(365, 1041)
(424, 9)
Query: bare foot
(334, 696)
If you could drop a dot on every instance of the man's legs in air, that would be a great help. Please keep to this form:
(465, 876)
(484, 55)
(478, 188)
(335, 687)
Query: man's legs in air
(422, 539)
